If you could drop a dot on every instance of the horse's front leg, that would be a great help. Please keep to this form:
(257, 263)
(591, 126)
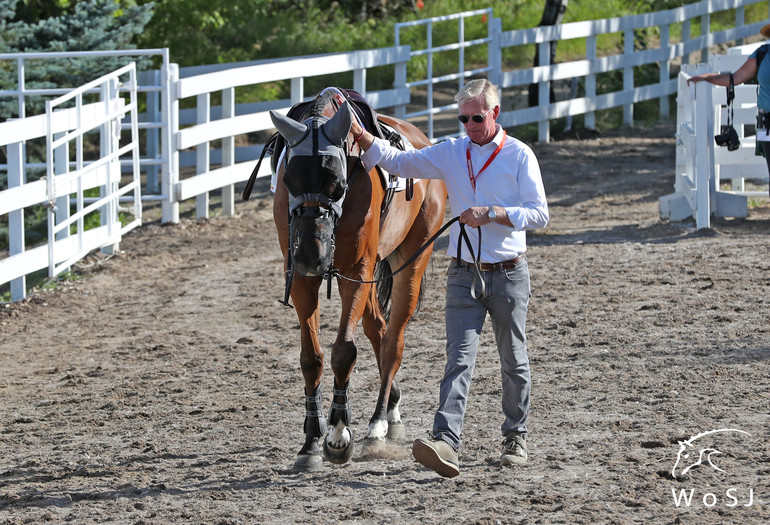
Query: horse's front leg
(304, 293)
(338, 446)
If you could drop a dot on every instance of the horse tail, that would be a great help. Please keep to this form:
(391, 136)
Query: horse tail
(382, 270)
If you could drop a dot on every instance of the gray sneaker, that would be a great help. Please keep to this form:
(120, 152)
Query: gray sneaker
(437, 455)
(514, 451)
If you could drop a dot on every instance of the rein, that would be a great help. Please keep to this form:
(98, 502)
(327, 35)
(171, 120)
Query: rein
(463, 237)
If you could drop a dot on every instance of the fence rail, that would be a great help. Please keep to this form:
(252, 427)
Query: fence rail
(592, 65)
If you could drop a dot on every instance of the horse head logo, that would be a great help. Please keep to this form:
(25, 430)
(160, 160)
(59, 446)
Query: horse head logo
(687, 458)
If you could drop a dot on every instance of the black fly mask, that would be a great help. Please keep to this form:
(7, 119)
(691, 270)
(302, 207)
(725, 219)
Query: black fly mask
(316, 177)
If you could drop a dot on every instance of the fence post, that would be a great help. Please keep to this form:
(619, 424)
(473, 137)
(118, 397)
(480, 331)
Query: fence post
(20, 81)
(494, 53)
(297, 90)
(16, 217)
(202, 155)
(228, 152)
(589, 119)
(153, 115)
(705, 30)
(110, 143)
(429, 74)
(664, 74)
(170, 171)
(61, 162)
(704, 164)
(544, 95)
(399, 81)
(50, 187)
(359, 81)
(61, 167)
(628, 75)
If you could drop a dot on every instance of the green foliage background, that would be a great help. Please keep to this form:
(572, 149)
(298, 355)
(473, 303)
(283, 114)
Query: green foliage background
(201, 32)
(207, 31)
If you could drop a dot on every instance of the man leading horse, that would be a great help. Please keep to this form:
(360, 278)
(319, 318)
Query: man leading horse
(494, 182)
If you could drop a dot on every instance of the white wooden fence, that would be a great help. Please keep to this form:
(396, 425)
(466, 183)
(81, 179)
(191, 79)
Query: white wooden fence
(701, 165)
(67, 120)
(201, 140)
(592, 65)
(204, 131)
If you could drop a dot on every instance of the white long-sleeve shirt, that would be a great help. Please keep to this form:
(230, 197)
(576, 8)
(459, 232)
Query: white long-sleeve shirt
(512, 180)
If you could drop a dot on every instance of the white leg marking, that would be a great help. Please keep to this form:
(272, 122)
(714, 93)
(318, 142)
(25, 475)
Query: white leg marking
(394, 415)
(378, 430)
(338, 436)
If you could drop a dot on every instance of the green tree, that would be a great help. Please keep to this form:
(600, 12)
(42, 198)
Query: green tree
(209, 31)
(85, 25)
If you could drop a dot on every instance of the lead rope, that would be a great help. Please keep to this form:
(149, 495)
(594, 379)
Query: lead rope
(477, 275)
(463, 236)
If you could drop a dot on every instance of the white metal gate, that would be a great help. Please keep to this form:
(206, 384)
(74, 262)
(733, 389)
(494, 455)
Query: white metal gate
(67, 121)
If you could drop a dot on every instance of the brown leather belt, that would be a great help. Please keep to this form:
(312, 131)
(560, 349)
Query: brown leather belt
(491, 267)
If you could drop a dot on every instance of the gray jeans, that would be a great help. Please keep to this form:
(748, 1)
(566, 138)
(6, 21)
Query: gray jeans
(506, 298)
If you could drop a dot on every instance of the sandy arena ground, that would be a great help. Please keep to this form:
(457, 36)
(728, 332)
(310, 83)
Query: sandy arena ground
(164, 386)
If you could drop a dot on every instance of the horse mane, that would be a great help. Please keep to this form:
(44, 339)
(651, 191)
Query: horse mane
(320, 103)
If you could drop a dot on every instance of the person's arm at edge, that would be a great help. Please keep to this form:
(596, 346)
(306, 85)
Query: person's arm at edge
(746, 72)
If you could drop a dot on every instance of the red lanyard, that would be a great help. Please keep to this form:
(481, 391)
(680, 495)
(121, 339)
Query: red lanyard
(473, 178)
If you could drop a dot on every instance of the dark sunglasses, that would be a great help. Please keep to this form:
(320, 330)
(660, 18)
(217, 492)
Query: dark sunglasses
(478, 119)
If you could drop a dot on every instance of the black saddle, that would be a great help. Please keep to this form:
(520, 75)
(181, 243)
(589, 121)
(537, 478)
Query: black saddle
(366, 115)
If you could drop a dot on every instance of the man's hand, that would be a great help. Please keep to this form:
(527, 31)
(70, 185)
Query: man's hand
(355, 128)
(475, 216)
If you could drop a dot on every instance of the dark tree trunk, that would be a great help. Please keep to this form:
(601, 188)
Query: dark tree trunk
(552, 15)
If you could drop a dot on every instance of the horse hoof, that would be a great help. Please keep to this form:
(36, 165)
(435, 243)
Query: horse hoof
(308, 463)
(339, 456)
(373, 448)
(396, 431)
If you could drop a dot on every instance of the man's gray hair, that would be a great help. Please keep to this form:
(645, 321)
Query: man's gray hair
(475, 88)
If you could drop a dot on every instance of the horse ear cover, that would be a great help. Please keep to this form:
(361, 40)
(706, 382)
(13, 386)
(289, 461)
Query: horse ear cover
(337, 128)
(291, 130)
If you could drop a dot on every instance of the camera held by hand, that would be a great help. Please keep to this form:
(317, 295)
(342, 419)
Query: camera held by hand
(729, 137)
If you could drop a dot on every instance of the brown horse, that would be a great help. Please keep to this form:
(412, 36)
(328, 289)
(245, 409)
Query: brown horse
(333, 220)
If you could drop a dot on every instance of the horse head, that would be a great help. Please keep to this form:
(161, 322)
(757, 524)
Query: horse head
(316, 177)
